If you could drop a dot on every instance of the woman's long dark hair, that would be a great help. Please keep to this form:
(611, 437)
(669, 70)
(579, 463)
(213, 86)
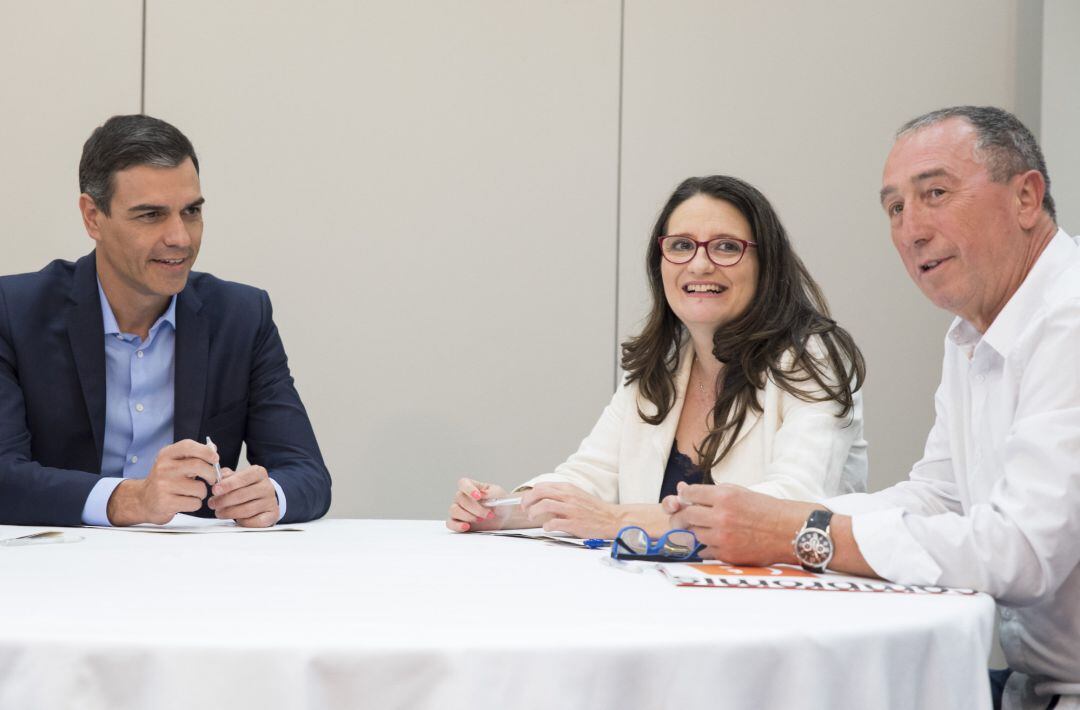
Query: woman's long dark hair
(788, 309)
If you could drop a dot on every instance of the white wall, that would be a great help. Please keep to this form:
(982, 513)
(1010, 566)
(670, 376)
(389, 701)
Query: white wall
(437, 197)
(65, 66)
(1061, 108)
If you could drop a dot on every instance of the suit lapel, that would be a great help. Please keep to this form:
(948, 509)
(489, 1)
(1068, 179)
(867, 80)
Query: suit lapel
(86, 332)
(192, 358)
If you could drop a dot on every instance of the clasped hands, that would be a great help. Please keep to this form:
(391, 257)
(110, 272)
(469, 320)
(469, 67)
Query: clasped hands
(175, 485)
(737, 525)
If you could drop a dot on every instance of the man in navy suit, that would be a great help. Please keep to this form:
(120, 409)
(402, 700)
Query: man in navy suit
(115, 369)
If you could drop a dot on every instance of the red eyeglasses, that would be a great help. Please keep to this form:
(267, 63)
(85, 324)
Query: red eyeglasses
(722, 251)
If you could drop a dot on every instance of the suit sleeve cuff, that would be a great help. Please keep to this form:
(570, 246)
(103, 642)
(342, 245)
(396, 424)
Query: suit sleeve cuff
(280, 500)
(95, 510)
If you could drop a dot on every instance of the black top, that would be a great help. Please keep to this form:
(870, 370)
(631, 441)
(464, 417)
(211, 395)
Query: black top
(680, 467)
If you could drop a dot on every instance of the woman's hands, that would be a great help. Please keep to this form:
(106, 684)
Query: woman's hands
(561, 507)
(467, 513)
(566, 508)
(552, 506)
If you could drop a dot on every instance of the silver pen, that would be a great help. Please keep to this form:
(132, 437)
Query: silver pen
(217, 466)
(43, 537)
(497, 502)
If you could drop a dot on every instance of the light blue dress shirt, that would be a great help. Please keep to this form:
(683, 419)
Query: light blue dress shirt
(139, 396)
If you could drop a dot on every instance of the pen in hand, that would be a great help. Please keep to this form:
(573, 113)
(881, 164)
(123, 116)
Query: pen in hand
(498, 502)
(217, 466)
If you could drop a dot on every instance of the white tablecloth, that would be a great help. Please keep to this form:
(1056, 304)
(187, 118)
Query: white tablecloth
(389, 614)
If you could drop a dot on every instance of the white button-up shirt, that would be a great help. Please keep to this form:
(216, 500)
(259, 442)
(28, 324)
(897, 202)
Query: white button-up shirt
(994, 503)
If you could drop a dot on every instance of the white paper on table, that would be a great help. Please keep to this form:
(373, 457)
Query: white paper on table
(189, 524)
(538, 534)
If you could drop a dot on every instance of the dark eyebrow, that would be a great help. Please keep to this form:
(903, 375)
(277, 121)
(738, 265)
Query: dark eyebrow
(885, 192)
(148, 208)
(163, 208)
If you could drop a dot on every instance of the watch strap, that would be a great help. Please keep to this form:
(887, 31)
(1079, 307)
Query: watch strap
(819, 519)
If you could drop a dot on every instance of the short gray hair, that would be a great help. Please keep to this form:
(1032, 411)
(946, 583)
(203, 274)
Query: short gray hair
(1002, 142)
(126, 141)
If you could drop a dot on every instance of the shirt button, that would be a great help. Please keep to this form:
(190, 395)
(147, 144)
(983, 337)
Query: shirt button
(1006, 614)
(134, 459)
(138, 353)
(139, 407)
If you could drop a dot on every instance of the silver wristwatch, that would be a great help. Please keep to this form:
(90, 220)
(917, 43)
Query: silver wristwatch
(813, 544)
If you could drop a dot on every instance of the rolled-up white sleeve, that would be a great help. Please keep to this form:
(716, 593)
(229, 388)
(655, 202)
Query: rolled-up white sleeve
(1018, 542)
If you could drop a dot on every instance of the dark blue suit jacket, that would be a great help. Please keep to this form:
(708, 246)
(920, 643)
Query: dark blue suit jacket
(231, 381)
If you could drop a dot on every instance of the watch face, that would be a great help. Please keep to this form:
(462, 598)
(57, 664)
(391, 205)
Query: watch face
(814, 548)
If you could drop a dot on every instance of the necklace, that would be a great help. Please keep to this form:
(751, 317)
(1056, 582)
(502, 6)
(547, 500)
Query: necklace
(700, 383)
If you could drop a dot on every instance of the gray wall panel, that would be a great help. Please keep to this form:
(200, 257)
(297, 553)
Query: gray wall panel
(1061, 108)
(65, 66)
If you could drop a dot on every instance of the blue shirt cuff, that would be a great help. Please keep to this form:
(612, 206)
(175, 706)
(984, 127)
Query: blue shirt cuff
(95, 510)
(280, 501)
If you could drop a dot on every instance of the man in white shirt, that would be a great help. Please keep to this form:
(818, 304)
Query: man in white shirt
(994, 504)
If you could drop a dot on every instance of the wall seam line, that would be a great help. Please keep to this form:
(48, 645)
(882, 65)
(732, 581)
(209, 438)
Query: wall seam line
(142, 63)
(618, 188)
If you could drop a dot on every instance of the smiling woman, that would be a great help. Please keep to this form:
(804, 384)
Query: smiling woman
(739, 376)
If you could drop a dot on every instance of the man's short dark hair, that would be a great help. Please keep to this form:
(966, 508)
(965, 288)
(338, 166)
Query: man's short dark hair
(124, 142)
(1005, 144)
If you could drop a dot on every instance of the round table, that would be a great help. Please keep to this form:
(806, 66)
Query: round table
(404, 614)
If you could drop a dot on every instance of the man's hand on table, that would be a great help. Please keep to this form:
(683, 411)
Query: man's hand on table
(738, 525)
(246, 496)
(172, 486)
(742, 527)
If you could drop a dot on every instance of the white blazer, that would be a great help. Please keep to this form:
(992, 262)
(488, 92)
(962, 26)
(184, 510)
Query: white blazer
(793, 449)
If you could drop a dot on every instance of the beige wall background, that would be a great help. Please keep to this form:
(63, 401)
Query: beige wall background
(1061, 107)
(64, 67)
(448, 202)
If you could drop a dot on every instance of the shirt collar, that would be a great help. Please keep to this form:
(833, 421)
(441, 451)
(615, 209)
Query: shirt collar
(109, 318)
(1022, 306)
(963, 335)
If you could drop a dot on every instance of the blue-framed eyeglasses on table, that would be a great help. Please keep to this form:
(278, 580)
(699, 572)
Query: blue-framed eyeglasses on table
(634, 544)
